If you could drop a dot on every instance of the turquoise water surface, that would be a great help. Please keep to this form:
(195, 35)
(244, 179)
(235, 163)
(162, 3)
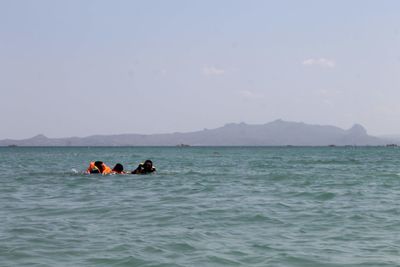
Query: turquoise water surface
(204, 207)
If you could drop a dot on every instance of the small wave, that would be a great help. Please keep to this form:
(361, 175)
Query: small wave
(325, 196)
(222, 260)
(327, 162)
(127, 261)
(181, 247)
(280, 176)
(316, 195)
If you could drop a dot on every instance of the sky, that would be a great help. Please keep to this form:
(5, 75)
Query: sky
(78, 68)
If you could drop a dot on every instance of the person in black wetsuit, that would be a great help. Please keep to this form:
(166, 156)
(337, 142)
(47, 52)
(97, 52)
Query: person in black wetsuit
(144, 168)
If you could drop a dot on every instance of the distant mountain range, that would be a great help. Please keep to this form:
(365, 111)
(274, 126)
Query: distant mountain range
(276, 133)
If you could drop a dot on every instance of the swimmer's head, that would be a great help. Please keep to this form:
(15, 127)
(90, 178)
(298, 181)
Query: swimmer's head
(148, 165)
(118, 168)
(99, 165)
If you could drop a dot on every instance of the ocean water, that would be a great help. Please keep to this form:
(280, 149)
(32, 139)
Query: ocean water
(204, 207)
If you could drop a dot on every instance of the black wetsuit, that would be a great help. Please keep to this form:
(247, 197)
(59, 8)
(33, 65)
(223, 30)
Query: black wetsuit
(142, 170)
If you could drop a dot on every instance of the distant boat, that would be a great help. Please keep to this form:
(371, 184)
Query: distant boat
(13, 145)
(391, 145)
(183, 145)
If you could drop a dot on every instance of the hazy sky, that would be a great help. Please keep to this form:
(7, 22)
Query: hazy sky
(76, 68)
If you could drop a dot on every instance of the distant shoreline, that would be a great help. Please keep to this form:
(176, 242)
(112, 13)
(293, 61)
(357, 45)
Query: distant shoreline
(277, 133)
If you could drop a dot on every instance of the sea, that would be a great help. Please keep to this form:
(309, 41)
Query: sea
(205, 206)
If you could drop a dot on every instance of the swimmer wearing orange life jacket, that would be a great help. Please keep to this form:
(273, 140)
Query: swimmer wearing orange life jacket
(98, 167)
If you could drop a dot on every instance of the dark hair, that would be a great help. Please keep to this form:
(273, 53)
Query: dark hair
(148, 161)
(99, 165)
(118, 167)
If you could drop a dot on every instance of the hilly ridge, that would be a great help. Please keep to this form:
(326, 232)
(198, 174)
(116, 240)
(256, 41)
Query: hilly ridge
(276, 133)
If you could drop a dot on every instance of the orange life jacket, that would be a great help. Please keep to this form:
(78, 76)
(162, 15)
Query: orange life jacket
(92, 167)
(106, 169)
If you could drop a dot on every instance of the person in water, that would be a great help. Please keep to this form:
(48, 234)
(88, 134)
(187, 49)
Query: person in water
(98, 167)
(145, 168)
(118, 169)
